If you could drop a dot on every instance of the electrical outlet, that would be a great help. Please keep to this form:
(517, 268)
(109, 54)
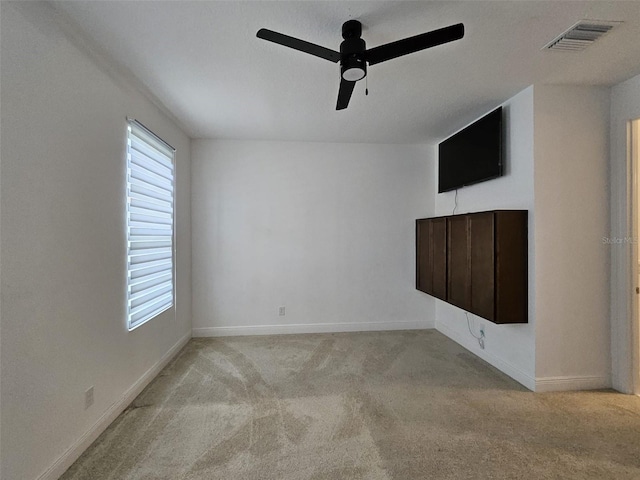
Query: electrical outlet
(281, 311)
(88, 397)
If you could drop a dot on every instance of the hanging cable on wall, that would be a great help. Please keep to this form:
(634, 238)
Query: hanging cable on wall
(480, 338)
(455, 199)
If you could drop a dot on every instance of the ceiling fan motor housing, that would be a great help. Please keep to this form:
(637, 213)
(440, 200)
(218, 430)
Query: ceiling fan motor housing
(353, 66)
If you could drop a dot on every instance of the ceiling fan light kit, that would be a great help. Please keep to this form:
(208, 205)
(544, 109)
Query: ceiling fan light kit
(353, 69)
(354, 56)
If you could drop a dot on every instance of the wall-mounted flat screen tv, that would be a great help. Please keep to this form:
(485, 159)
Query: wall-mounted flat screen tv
(472, 155)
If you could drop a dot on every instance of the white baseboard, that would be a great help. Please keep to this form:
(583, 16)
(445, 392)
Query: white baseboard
(472, 345)
(308, 328)
(537, 384)
(558, 384)
(74, 451)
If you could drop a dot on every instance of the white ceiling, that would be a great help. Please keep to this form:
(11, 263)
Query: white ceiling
(202, 60)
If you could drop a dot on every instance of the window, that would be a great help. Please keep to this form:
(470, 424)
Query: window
(150, 221)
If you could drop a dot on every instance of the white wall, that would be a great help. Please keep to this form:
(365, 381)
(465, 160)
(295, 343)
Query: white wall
(625, 106)
(572, 218)
(326, 230)
(511, 348)
(556, 153)
(63, 246)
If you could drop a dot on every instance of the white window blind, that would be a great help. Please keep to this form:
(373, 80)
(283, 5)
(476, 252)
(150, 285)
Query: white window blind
(150, 221)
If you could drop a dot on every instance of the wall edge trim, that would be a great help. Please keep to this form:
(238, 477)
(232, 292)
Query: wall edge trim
(567, 383)
(64, 461)
(505, 367)
(284, 329)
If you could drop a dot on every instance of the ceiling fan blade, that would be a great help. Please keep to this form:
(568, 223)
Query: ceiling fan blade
(414, 44)
(298, 44)
(344, 94)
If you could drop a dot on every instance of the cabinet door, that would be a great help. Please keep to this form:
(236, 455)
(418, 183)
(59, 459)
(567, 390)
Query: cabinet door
(482, 236)
(439, 257)
(431, 256)
(424, 276)
(459, 278)
(511, 267)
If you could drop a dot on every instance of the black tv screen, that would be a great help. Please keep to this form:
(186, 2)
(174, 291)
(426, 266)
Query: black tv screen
(472, 155)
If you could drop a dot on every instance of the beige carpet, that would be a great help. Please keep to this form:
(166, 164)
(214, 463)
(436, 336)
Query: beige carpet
(358, 406)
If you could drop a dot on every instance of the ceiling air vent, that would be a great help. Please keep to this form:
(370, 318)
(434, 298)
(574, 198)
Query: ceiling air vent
(581, 35)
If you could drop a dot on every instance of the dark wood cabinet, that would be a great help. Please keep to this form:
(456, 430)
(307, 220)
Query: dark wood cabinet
(482, 272)
(511, 267)
(459, 277)
(431, 247)
(477, 261)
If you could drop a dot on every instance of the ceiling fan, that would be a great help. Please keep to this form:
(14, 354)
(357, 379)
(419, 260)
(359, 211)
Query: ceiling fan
(353, 55)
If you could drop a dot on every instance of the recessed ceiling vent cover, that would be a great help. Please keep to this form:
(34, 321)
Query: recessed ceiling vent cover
(581, 35)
